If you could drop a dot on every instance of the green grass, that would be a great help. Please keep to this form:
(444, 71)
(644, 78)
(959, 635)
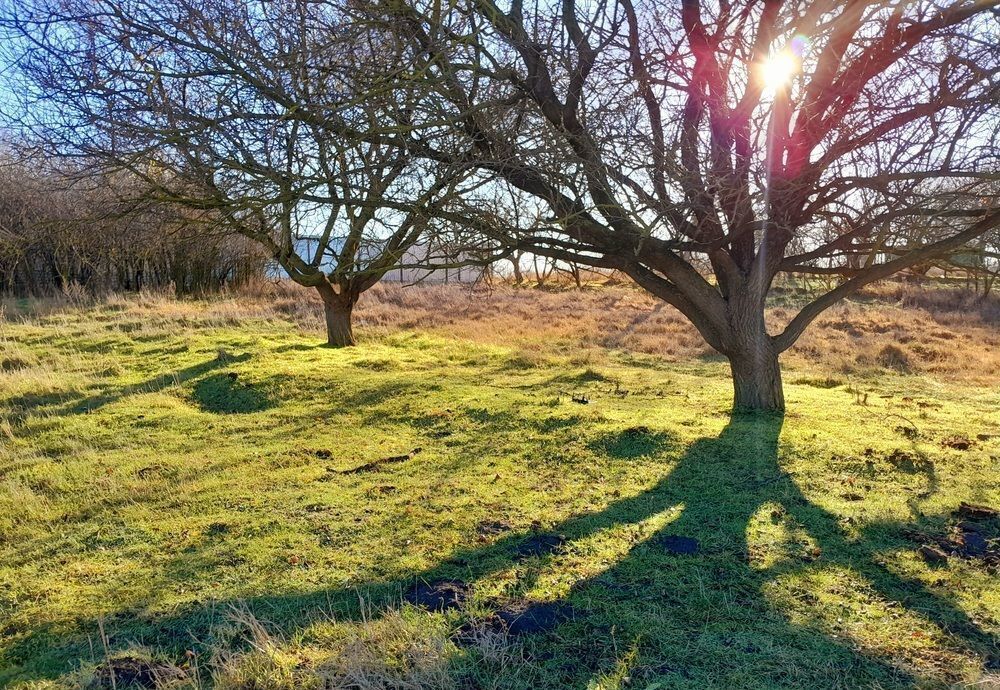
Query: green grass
(150, 483)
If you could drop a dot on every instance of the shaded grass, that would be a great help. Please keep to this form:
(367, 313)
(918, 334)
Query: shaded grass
(131, 497)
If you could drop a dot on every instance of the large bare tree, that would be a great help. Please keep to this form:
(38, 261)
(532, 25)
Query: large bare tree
(703, 148)
(270, 115)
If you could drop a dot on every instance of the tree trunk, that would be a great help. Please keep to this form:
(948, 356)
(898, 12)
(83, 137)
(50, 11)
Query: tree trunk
(516, 263)
(757, 378)
(337, 310)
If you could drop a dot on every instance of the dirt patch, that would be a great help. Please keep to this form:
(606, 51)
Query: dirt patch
(440, 595)
(13, 364)
(150, 471)
(488, 529)
(957, 442)
(530, 618)
(977, 512)
(129, 671)
(909, 463)
(976, 536)
(539, 545)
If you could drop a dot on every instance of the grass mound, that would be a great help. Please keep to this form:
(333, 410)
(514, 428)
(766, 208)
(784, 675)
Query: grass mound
(227, 394)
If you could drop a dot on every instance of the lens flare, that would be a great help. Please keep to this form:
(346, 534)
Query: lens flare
(799, 45)
(778, 71)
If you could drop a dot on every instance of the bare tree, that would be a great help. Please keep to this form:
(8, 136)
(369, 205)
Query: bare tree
(270, 115)
(704, 148)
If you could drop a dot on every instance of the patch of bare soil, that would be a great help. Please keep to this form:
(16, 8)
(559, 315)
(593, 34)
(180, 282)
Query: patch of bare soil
(957, 442)
(974, 534)
(377, 464)
(130, 671)
(530, 618)
(539, 545)
(441, 595)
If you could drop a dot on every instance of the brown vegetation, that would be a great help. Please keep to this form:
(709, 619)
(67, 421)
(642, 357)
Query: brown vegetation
(896, 327)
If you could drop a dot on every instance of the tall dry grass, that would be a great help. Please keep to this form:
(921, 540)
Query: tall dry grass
(938, 330)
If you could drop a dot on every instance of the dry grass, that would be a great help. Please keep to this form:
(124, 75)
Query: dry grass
(945, 332)
(393, 648)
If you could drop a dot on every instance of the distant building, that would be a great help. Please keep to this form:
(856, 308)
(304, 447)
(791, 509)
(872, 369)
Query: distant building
(409, 273)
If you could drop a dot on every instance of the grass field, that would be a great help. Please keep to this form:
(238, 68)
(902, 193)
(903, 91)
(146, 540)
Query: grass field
(200, 491)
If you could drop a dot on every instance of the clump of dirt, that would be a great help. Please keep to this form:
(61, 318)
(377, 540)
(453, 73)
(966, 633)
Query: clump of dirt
(909, 463)
(530, 618)
(973, 535)
(933, 554)
(977, 512)
(440, 595)
(376, 464)
(958, 442)
(150, 470)
(131, 670)
(487, 529)
(539, 545)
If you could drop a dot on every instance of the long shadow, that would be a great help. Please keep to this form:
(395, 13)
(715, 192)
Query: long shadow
(691, 597)
(74, 403)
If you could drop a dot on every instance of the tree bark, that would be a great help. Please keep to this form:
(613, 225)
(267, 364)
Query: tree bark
(339, 331)
(337, 309)
(757, 377)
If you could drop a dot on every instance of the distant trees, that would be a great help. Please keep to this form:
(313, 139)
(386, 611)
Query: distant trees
(58, 233)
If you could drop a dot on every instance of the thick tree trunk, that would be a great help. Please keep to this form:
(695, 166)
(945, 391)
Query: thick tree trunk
(757, 377)
(339, 332)
(337, 307)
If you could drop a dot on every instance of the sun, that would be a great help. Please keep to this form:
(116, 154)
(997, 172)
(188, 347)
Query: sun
(777, 71)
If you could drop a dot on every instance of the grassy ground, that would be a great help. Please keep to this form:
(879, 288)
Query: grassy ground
(187, 482)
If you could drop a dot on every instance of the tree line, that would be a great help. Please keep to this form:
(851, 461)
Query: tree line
(60, 233)
(701, 148)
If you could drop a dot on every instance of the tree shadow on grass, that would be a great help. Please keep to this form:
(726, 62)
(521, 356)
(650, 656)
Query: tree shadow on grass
(690, 603)
(73, 402)
(226, 394)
